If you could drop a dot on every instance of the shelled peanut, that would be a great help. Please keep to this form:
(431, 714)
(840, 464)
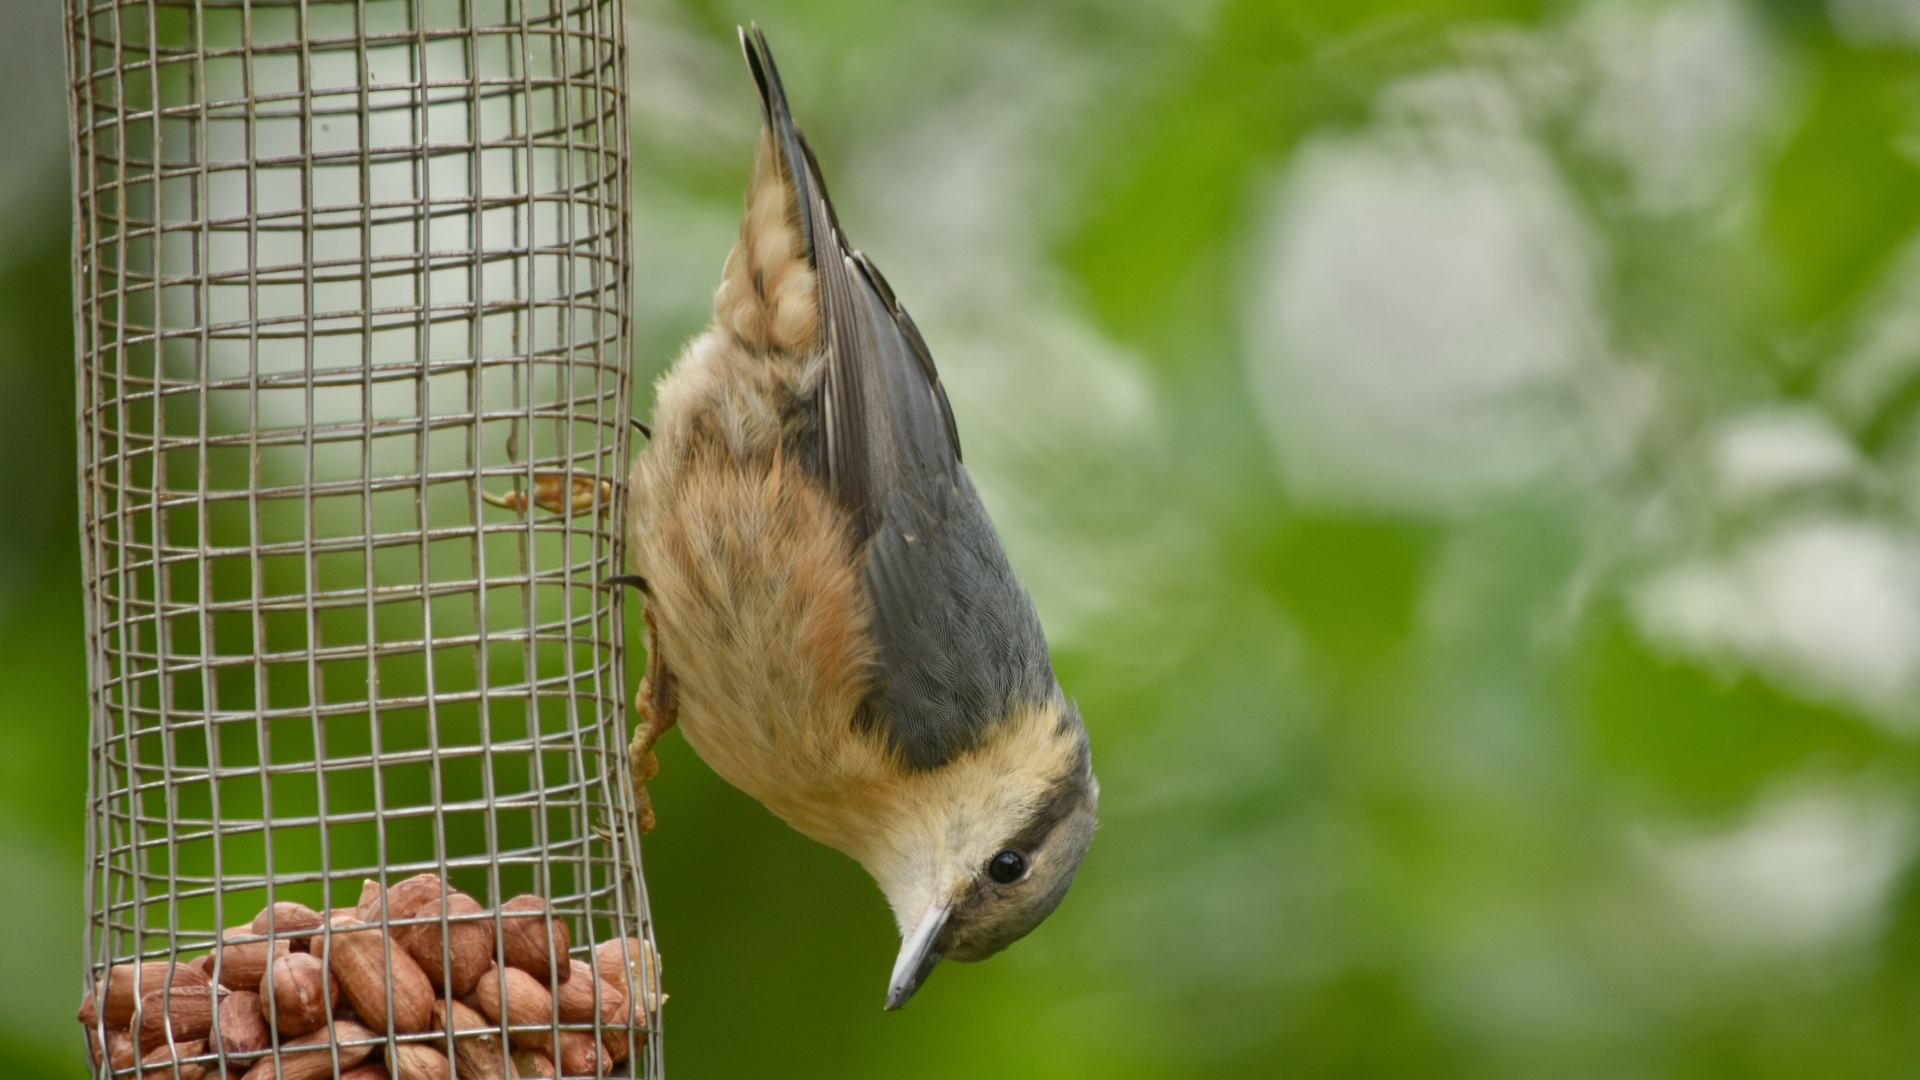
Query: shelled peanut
(297, 995)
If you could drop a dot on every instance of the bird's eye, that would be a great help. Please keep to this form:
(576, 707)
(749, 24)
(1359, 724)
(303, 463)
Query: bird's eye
(1007, 867)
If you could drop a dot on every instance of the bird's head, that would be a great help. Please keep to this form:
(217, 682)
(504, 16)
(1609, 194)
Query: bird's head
(974, 854)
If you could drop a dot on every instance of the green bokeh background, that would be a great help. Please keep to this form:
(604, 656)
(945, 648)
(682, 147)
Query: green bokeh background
(1465, 454)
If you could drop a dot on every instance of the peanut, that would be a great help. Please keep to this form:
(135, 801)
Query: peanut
(185, 1010)
(310, 1056)
(338, 921)
(239, 1026)
(623, 962)
(120, 994)
(296, 994)
(580, 1054)
(363, 958)
(475, 1057)
(402, 901)
(287, 916)
(614, 1042)
(575, 999)
(418, 1061)
(533, 1063)
(524, 931)
(243, 963)
(620, 962)
(526, 1003)
(368, 1070)
(470, 942)
(122, 1051)
(169, 1058)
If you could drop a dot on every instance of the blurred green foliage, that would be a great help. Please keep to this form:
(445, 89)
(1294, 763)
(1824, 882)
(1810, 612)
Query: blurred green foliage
(1588, 749)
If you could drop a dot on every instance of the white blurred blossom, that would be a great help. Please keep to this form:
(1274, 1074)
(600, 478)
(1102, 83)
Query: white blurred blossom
(1801, 870)
(1876, 22)
(1773, 451)
(1829, 608)
(1421, 304)
(1680, 94)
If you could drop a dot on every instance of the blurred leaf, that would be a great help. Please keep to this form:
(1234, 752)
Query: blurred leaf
(1846, 193)
(1173, 188)
(1365, 1024)
(36, 395)
(40, 889)
(1352, 584)
(42, 643)
(1708, 744)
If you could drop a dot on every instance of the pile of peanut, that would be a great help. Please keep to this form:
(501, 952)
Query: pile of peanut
(315, 988)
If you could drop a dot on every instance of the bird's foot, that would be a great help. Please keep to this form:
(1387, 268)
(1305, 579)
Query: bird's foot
(640, 756)
(585, 495)
(659, 707)
(643, 764)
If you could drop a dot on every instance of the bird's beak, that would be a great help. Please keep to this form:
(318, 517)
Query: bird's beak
(917, 956)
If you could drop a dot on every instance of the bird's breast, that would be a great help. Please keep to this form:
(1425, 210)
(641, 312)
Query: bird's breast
(755, 589)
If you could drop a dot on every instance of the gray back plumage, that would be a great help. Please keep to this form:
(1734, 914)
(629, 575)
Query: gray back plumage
(959, 643)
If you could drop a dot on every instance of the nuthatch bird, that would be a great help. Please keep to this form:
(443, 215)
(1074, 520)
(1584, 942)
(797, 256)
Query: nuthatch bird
(830, 616)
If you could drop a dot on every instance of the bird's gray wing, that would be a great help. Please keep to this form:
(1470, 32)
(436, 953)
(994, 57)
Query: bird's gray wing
(959, 643)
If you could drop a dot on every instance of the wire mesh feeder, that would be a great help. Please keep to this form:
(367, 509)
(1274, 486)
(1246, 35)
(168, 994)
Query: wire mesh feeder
(352, 294)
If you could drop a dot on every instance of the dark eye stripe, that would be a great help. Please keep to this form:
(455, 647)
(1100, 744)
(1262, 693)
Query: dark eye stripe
(1059, 801)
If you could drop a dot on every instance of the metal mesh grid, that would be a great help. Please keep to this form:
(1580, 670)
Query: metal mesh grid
(352, 291)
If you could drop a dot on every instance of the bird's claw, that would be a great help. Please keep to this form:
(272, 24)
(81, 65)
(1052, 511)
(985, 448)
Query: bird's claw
(658, 706)
(546, 495)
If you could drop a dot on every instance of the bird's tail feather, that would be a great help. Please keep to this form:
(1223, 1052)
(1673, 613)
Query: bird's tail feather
(796, 158)
(769, 292)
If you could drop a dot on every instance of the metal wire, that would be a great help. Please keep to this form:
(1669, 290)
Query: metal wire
(345, 271)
